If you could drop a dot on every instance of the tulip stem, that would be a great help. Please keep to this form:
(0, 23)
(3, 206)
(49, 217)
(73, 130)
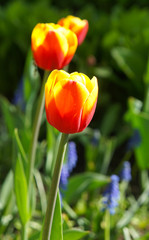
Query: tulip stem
(54, 188)
(36, 128)
(24, 232)
(107, 225)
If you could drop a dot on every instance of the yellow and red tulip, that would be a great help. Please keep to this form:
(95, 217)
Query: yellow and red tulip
(53, 46)
(75, 24)
(70, 100)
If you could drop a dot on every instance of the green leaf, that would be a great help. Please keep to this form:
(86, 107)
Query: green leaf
(145, 237)
(146, 76)
(6, 190)
(21, 191)
(128, 215)
(41, 191)
(74, 234)
(13, 118)
(35, 236)
(139, 120)
(126, 234)
(130, 63)
(52, 141)
(32, 199)
(113, 114)
(31, 77)
(7, 202)
(83, 182)
(31, 82)
(20, 148)
(56, 232)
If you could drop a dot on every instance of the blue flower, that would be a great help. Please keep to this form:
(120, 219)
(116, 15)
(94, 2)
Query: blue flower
(70, 164)
(64, 177)
(72, 156)
(134, 141)
(111, 195)
(125, 174)
(18, 98)
(95, 138)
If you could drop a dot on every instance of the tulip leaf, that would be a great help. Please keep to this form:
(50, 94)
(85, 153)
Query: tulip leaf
(52, 141)
(41, 191)
(21, 191)
(6, 190)
(57, 231)
(74, 234)
(82, 182)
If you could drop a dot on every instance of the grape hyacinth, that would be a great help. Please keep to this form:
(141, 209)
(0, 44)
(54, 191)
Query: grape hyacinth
(72, 156)
(95, 139)
(18, 98)
(125, 174)
(64, 176)
(69, 165)
(134, 141)
(111, 195)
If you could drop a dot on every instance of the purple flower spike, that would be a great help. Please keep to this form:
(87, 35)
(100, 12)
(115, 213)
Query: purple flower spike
(64, 177)
(69, 165)
(125, 174)
(72, 156)
(111, 195)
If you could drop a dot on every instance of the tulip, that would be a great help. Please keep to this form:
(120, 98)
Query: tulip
(53, 46)
(75, 24)
(70, 100)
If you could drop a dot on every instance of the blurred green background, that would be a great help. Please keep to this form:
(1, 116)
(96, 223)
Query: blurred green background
(113, 24)
(115, 50)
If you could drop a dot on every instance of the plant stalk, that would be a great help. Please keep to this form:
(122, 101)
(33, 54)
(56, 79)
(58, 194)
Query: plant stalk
(54, 188)
(107, 225)
(146, 101)
(24, 232)
(36, 128)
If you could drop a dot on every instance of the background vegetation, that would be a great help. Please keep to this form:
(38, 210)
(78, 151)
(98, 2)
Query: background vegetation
(116, 50)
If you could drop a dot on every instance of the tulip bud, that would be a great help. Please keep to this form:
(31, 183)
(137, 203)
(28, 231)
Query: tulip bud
(53, 46)
(70, 100)
(75, 24)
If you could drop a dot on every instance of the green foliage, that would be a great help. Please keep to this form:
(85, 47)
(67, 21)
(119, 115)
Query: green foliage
(131, 64)
(74, 234)
(85, 181)
(21, 191)
(6, 190)
(116, 51)
(140, 121)
(56, 233)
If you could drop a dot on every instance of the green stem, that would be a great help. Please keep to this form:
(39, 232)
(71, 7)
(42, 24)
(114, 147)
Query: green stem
(107, 225)
(144, 178)
(36, 127)
(123, 188)
(24, 232)
(54, 188)
(146, 101)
